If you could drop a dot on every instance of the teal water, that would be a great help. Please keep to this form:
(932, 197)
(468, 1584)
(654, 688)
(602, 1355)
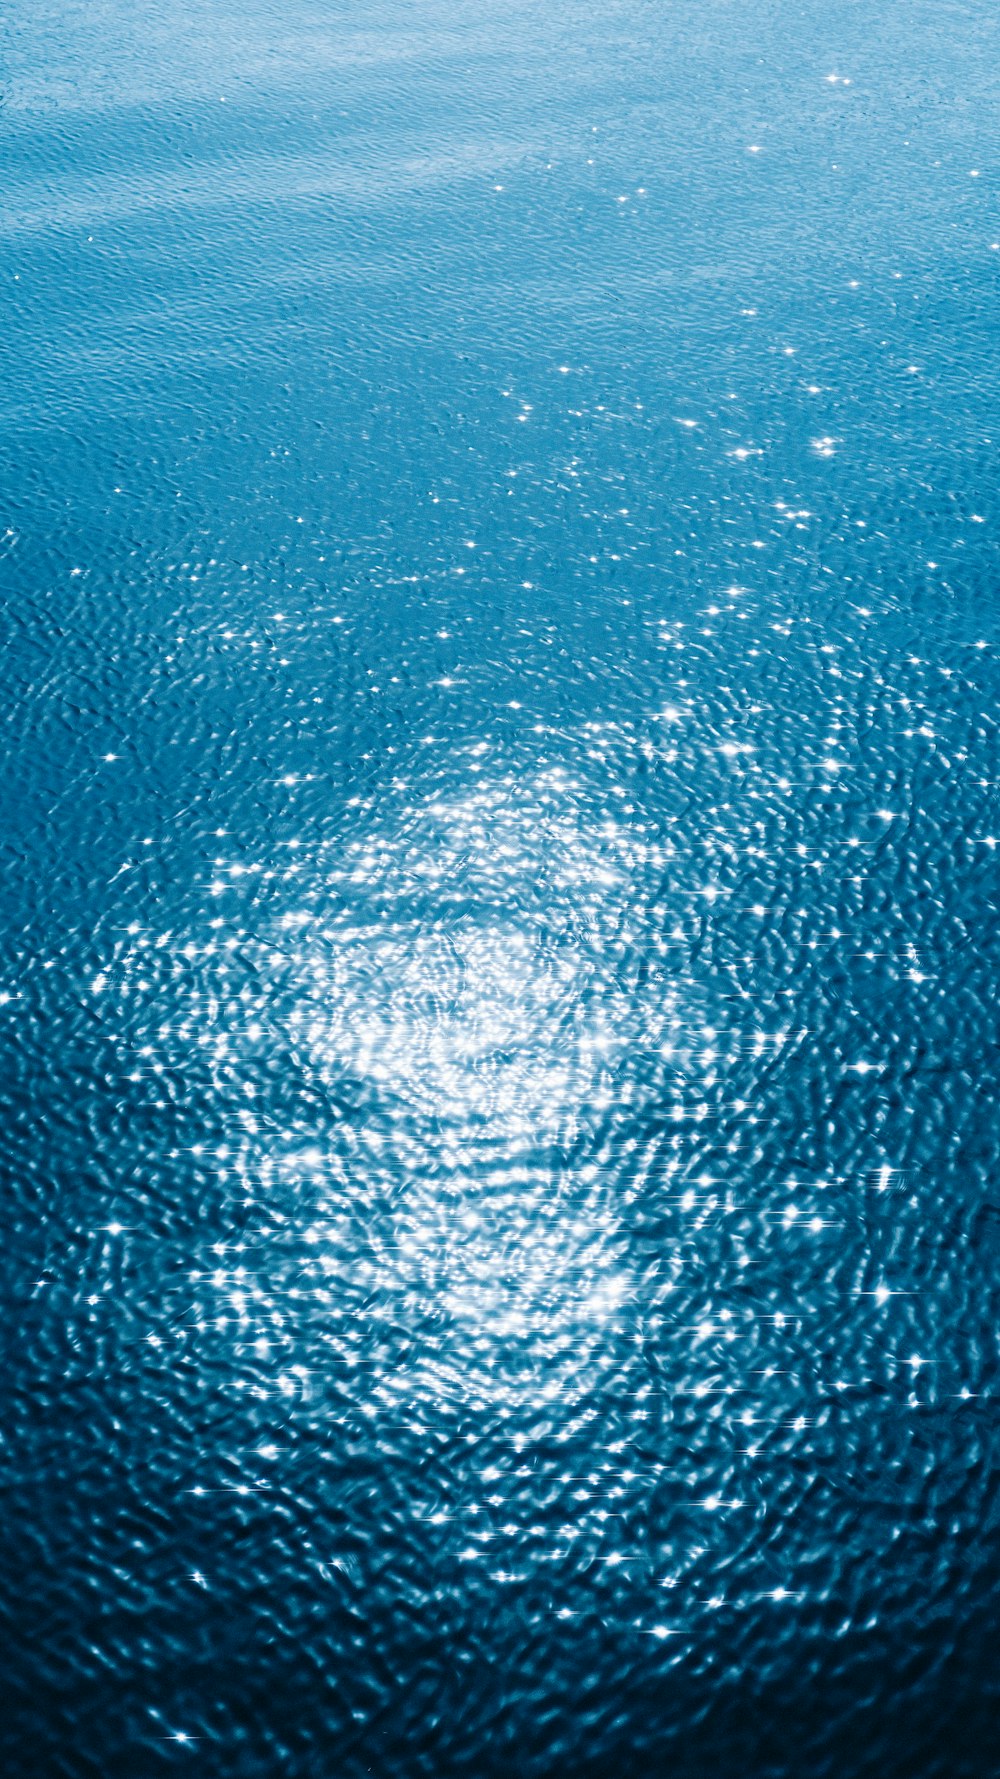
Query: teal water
(499, 947)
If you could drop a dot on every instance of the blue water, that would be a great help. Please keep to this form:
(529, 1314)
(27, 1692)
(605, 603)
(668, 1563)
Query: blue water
(498, 554)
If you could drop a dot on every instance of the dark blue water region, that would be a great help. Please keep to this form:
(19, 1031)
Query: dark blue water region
(499, 957)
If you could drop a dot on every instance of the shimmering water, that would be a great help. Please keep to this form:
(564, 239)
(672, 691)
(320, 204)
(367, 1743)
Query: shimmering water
(500, 946)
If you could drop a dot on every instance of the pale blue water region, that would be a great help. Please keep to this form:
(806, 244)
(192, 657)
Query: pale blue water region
(500, 823)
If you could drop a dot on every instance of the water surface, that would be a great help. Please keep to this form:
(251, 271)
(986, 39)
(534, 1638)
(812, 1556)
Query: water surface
(500, 943)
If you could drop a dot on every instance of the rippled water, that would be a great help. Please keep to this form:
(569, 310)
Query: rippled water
(500, 950)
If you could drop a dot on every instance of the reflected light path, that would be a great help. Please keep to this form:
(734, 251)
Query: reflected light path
(470, 981)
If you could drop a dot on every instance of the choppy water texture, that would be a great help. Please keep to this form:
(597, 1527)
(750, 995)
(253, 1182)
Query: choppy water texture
(499, 1022)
